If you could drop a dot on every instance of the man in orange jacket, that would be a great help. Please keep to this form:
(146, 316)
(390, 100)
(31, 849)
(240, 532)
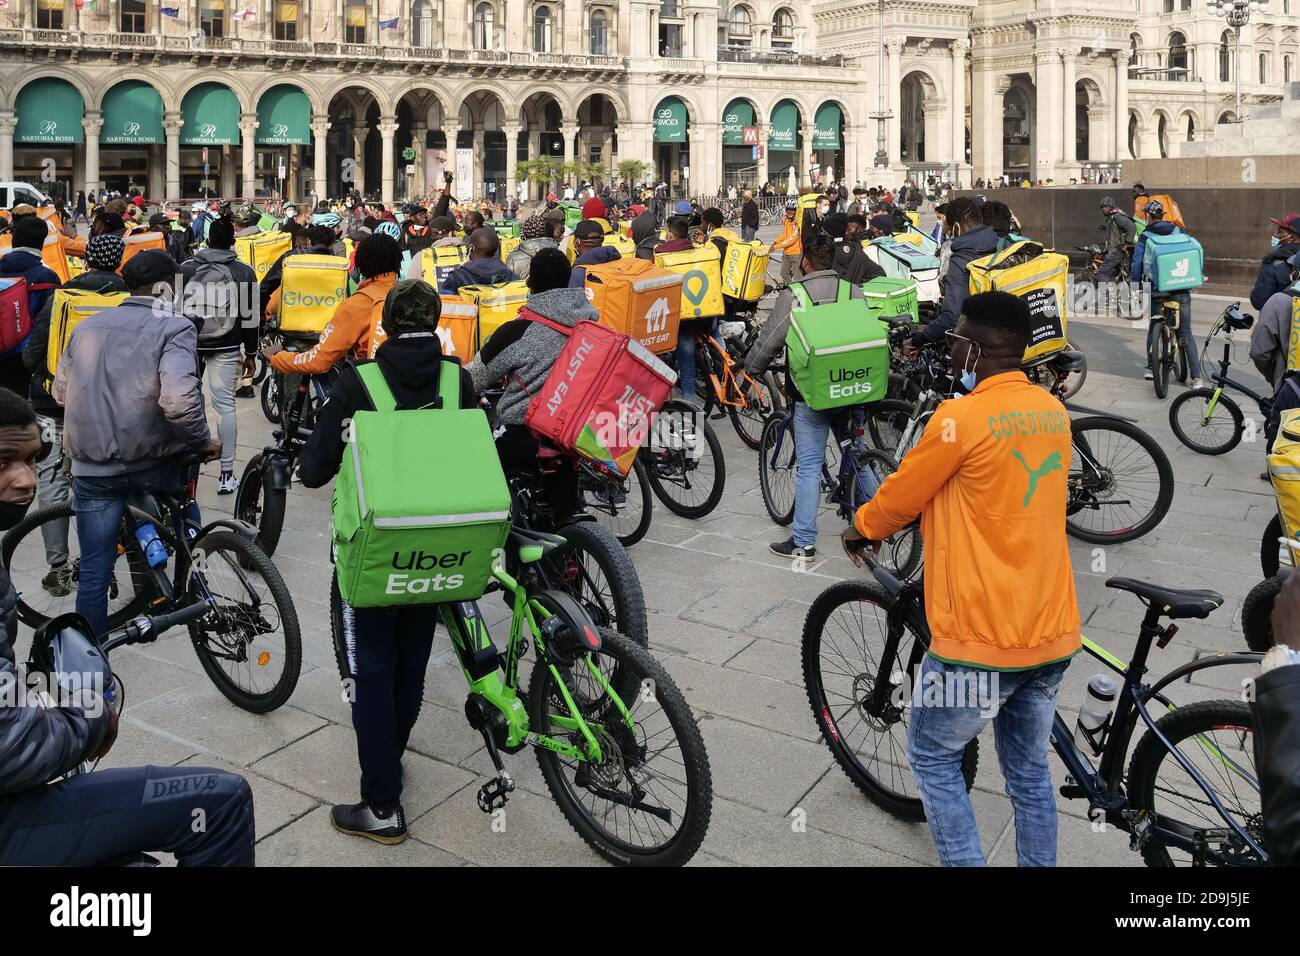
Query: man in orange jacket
(988, 479)
(790, 242)
(355, 329)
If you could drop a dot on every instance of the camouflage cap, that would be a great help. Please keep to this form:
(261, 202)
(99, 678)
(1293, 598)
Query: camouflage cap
(411, 305)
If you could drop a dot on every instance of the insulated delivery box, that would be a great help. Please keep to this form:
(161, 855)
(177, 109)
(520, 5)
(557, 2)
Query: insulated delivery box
(701, 272)
(262, 250)
(639, 299)
(837, 353)
(905, 260)
(888, 297)
(1284, 472)
(1173, 263)
(312, 288)
(497, 304)
(437, 262)
(410, 524)
(68, 309)
(744, 270)
(458, 328)
(1037, 275)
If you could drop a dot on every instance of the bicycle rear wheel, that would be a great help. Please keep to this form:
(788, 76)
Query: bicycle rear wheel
(885, 423)
(249, 645)
(1074, 381)
(1206, 425)
(684, 462)
(624, 506)
(260, 505)
(759, 405)
(900, 553)
(844, 639)
(596, 570)
(1217, 738)
(1120, 481)
(648, 802)
(270, 398)
(1162, 360)
(46, 591)
(776, 468)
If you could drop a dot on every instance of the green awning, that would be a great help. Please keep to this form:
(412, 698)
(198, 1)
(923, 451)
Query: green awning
(734, 120)
(210, 113)
(670, 121)
(49, 110)
(826, 134)
(783, 134)
(133, 113)
(284, 117)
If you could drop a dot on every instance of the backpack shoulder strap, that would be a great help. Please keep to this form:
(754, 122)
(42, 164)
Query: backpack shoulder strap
(542, 320)
(845, 292)
(800, 295)
(449, 385)
(372, 380)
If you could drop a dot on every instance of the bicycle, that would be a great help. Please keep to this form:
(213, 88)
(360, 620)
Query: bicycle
(252, 624)
(1119, 476)
(721, 381)
(623, 505)
(1205, 419)
(683, 461)
(859, 476)
(632, 781)
(262, 495)
(862, 647)
(1166, 354)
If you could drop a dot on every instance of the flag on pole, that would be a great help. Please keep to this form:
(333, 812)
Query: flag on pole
(172, 12)
(248, 13)
(388, 24)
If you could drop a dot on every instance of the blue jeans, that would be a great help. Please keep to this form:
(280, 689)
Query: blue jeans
(685, 352)
(1187, 341)
(812, 429)
(1021, 705)
(99, 504)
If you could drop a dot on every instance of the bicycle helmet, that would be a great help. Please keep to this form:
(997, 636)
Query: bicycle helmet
(1155, 209)
(791, 204)
(387, 228)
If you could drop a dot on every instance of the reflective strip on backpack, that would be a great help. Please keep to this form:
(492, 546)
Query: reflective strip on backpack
(656, 282)
(1028, 280)
(854, 347)
(412, 521)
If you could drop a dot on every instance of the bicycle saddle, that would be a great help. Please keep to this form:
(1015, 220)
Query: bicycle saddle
(1069, 360)
(1173, 602)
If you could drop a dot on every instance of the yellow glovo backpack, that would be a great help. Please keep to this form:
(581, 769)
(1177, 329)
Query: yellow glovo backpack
(1284, 472)
(262, 250)
(701, 272)
(311, 290)
(744, 271)
(497, 304)
(68, 309)
(1293, 339)
(1036, 275)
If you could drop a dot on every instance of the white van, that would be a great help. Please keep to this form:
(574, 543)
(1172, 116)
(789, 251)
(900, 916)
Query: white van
(15, 194)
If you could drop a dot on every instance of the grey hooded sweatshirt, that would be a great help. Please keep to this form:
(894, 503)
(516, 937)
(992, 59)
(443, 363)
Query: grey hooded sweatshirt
(522, 352)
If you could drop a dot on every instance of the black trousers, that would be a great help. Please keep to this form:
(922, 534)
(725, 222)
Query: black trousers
(204, 816)
(517, 448)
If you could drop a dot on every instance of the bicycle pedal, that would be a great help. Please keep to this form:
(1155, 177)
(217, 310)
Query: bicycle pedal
(494, 794)
(1139, 828)
(1071, 791)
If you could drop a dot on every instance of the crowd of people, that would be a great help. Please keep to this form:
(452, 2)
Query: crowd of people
(127, 403)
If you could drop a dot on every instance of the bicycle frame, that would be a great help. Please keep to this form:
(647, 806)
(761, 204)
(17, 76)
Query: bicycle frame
(496, 679)
(726, 390)
(1222, 381)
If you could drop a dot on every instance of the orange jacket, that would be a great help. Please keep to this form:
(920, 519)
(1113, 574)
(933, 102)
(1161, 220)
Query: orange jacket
(790, 241)
(350, 332)
(988, 478)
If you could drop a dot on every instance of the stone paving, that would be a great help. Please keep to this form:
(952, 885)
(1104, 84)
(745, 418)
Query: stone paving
(725, 619)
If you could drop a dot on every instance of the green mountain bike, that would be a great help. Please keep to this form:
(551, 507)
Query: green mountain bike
(619, 749)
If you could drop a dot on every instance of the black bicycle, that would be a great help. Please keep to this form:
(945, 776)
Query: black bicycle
(1191, 792)
(1165, 353)
(1205, 419)
(249, 643)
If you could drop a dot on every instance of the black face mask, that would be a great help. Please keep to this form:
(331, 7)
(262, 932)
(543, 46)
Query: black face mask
(11, 514)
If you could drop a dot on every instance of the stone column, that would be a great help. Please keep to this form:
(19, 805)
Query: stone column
(894, 50)
(479, 176)
(938, 130)
(247, 130)
(359, 135)
(1120, 106)
(420, 180)
(986, 122)
(569, 135)
(607, 153)
(92, 123)
(451, 131)
(1100, 133)
(320, 127)
(387, 130)
(706, 158)
(803, 171)
(172, 128)
(851, 172)
(1047, 123)
(8, 123)
(511, 131)
(1069, 163)
(957, 107)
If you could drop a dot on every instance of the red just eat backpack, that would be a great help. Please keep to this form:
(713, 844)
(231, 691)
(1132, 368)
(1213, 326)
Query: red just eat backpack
(599, 398)
(15, 313)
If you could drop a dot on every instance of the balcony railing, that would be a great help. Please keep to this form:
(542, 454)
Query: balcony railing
(734, 54)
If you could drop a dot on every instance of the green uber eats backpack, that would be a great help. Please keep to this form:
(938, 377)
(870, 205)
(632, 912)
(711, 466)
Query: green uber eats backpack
(420, 507)
(838, 353)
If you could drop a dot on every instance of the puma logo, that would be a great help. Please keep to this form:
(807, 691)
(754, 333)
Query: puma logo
(1050, 464)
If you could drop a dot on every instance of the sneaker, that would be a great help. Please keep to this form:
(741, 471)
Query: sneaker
(244, 391)
(58, 581)
(227, 484)
(1196, 383)
(788, 549)
(358, 819)
(1148, 375)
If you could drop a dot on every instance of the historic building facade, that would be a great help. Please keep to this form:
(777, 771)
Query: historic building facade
(298, 97)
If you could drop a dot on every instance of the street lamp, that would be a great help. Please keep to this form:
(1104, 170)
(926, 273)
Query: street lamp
(882, 114)
(1237, 13)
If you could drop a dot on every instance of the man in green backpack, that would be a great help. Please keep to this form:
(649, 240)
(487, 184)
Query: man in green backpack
(387, 649)
(821, 284)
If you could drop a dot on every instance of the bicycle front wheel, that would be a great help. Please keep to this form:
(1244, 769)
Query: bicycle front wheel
(1074, 381)
(270, 398)
(885, 424)
(900, 553)
(260, 505)
(596, 570)
(43, 556)
(1217, 738)
(844, 640)
(684, 462)
(776, 468)
(1206, 424)
(748, 420)
(249, 645)
(648, 801)
(1120, 481)
(624, 506)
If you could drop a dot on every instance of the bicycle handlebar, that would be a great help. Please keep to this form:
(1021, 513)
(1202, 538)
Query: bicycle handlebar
(146, 628)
